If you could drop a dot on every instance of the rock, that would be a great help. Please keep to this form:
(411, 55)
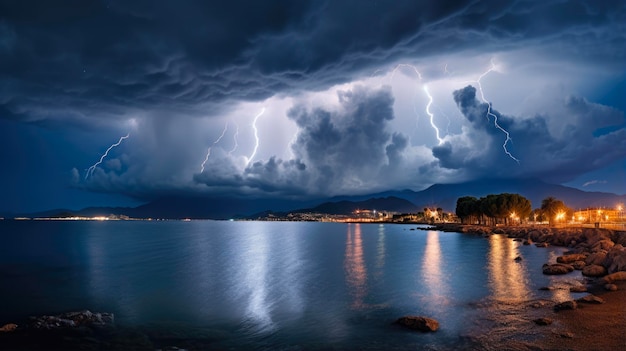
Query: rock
(615, 259)
(543, 321)
(557, 268)
(604, 244)
(590, 299)
(546, 288)
(518, 258)
(594, 271)
(571, 258)
(71, 320)
(566, 335)
(527, 242)
(613, 277)
(542, 244)
(578, 288)
(498, 231)
(566, 305)
(423, 324)
(578, 265)
(596, 258)
(8, 328)
(610, 287)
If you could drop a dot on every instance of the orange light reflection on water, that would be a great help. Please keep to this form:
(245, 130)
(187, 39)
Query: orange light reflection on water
(354, 265)
(432, 275)
(508, 279)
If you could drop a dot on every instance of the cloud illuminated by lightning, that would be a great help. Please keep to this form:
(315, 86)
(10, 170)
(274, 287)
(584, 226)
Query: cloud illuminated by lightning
(91, 169)
(430, 98)
(256, 136)
(489, 113)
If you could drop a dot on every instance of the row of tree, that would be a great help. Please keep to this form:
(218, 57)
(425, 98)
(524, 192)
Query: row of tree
(507, 209)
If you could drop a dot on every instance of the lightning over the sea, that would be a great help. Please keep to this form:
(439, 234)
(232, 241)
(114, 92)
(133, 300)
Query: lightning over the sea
(430, 98)
(91, 169)
(208, 152)
(489, 113)
(256, 135)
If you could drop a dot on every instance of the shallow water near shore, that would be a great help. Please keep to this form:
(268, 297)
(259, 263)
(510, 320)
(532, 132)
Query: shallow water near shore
(280, 285)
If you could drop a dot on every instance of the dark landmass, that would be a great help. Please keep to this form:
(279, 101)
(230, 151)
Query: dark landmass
(438, 195)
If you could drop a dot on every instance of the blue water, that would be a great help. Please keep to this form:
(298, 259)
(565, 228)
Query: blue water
(278, 285)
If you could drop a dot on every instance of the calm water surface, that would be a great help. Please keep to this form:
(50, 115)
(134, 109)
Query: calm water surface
(277, 285)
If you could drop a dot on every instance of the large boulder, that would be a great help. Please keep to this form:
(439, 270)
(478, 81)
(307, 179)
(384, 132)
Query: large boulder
(571, 258)
(596, 258)
(557, 268)
(615, 259)
(423, 324)
(594, 270)
(604, 244)
(613, 277)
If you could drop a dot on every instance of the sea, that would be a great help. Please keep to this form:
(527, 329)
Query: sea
(245, 285)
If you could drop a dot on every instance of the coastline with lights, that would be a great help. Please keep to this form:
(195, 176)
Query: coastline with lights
(596, 321)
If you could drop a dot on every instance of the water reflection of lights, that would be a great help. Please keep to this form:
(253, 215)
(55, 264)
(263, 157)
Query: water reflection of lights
(507, 278)
(432, 274)
(380, 250)
(354, 265)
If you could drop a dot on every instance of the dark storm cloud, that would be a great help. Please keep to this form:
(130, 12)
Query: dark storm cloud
(560, 153)
(74, 60)
(341, 148)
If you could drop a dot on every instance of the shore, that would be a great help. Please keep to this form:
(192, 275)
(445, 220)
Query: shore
(589, 326)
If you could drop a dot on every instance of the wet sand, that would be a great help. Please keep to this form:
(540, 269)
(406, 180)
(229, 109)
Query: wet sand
(590, 326)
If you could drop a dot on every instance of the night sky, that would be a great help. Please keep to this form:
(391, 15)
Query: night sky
(305, 99)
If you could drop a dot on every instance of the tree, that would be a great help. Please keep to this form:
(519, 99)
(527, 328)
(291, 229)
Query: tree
(467, 209)
(552, 207)
(493, 209)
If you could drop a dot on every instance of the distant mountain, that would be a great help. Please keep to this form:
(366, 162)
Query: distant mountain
(437, 195)
(390, 203)
(445, 195)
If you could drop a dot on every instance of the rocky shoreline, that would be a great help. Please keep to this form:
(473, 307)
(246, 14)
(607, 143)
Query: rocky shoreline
(596, 321)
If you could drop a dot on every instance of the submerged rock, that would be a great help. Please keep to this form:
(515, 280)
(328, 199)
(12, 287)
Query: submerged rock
(578, 288)
(543, 321)
(591, 299)
(419, 323)
(610, 287)
(566, 305)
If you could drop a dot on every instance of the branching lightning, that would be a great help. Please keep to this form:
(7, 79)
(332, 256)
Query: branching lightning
(91, 169)
(430, 98)
(489, 113)
(208, 152)
(256, 136)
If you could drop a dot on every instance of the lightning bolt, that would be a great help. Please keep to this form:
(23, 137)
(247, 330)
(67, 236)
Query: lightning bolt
(256, 136)
(91, 169)
(208, 152)
(235, 135)
(432, 122)
(489, 113)
(430, 98)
